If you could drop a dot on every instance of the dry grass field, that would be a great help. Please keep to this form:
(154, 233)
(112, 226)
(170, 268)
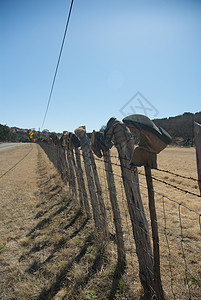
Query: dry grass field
(180, 242)
(49, 250)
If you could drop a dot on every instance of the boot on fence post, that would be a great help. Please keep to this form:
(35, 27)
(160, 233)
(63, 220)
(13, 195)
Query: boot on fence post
(99, 148)
(76, 143)
(152, 141)
(125, 144)
(81, 133)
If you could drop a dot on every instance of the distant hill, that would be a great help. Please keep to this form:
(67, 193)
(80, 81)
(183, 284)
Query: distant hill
(181, 128)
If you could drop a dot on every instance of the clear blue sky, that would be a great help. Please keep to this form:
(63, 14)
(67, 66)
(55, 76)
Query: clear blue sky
(113, 49)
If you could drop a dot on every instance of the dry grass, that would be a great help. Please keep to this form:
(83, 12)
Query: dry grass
(49, 250)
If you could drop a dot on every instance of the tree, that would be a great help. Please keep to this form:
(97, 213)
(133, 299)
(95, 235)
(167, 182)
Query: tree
(4, 133)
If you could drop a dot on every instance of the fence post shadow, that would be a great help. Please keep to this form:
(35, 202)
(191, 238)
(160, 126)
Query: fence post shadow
(117, 276)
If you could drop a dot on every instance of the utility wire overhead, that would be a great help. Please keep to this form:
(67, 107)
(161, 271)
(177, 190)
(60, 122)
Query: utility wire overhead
(55, 74)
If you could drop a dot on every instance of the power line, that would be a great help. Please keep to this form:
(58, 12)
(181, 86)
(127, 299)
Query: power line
(55, 74)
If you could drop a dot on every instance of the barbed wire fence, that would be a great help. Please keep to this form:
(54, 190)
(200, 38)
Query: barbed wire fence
(117, 198)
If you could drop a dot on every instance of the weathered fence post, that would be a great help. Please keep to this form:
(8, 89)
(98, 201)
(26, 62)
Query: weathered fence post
(99, 193)
(81, 133)
(62, 162)
(72, 172)
(82, 183)
(74, 144)
(115, 209)
(125, 145)
(152, 141)
(67, 177)
(58, 161)
(197, 136)
(65, 142)
(71, 146)
(98, 146)
(54, 155)
(154, 227)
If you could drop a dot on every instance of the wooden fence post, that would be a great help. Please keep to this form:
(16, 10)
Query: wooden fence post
(115, 208)
(154, 227)
(197, 136)
(67, 178)
(82, 183)
(78, 178)
(99, 148)
(99, 193)
(74, 143)
(62, 162)
(81, 133)
(72, 173)
(125, 145)
(54, 155)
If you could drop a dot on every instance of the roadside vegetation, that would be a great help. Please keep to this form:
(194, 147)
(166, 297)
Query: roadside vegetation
(17, 135)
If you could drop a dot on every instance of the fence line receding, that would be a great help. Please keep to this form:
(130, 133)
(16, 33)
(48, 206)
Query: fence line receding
(149, 230)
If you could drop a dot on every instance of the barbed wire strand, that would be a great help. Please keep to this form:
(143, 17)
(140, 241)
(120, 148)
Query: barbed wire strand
(156, 179)
(165, 171)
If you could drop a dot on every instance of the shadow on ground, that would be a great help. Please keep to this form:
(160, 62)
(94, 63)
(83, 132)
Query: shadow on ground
(63, 253)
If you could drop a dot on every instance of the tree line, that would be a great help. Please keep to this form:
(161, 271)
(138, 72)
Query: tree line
(22, 135)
